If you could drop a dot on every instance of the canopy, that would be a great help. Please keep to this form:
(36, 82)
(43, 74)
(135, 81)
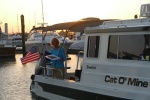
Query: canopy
(76, 26)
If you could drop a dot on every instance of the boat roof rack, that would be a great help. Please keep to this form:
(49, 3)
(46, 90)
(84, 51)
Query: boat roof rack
(125, 23)
(141, 24)
(91, 30)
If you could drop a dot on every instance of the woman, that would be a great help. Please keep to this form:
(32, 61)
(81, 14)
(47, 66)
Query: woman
(56, 50)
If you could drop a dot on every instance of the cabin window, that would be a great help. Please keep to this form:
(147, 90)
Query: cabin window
(131, 47)
(93, 46)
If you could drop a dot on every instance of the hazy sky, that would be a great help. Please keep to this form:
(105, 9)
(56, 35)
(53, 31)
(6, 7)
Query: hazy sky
(57, 11)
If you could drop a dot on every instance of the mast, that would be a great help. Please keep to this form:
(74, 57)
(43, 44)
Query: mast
(42, 13)
(1, 32)
(43, 35)
(17, 23)
(35, 19)
(42, 24)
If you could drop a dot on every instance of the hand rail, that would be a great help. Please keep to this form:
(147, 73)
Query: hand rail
(80, 52)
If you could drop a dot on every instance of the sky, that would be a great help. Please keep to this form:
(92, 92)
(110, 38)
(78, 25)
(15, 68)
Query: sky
(58, 11)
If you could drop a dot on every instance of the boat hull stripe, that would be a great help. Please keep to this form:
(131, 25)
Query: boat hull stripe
(75, 94)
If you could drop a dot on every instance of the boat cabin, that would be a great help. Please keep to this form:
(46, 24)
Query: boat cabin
(117, 55)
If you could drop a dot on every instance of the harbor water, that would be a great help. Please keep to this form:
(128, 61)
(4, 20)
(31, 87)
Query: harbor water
(15, 77)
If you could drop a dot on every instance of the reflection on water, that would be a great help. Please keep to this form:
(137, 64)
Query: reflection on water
(15, 77)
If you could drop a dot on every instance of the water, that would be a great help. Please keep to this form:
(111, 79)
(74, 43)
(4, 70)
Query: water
(15, 77)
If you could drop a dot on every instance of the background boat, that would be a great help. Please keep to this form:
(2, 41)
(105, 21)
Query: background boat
(78, 45)
(6, 49)
(36, 39)
(15, 39)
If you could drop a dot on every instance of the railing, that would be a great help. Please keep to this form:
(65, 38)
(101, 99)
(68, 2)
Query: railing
(79, 53)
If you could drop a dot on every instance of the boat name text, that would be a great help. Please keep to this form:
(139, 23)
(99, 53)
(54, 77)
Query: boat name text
(125, 80)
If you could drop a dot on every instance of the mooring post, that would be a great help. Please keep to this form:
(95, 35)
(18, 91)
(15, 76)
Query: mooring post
(23, 35)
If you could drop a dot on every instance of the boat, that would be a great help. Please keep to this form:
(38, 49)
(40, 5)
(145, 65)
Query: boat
(36, 39)
(115, 64)
(6, 49)
(78, 44)
(15, 39)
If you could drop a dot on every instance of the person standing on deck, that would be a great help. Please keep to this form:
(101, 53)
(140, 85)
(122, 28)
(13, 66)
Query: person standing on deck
(57, 50)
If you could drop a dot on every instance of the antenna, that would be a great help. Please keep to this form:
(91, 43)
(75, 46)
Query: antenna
(0, 23)
(0, 26)
(12, 30)
(17, 23)
(42, 24)
(42, 13)
(35, 19)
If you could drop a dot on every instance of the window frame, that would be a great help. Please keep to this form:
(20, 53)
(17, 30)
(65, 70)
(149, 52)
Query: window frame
(97, 48)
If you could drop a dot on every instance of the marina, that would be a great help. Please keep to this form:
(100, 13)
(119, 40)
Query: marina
(87, 59)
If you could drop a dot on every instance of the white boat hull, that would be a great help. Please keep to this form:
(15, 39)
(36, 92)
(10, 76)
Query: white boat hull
(55, 89)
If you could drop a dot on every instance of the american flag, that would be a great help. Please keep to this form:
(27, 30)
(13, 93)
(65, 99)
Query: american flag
(32, 55)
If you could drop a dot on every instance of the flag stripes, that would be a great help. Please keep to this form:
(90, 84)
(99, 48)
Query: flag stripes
(32, 55)
(30, 58)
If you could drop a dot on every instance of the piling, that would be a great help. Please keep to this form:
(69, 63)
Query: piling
(23, 35)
